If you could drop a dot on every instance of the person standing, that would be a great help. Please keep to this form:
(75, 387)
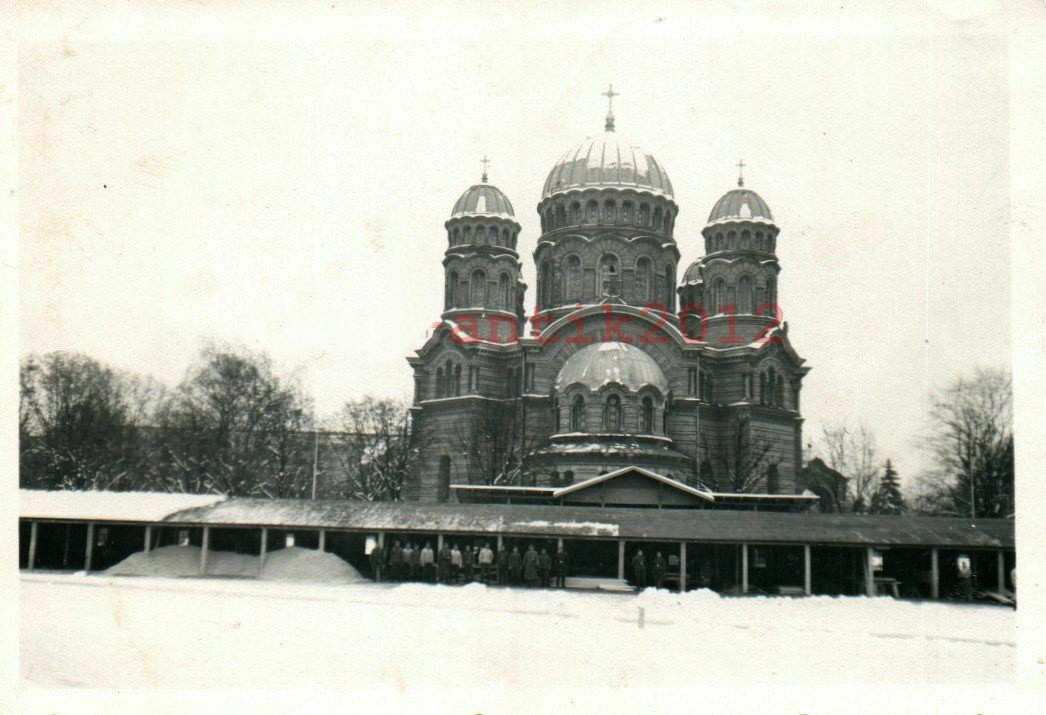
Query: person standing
(455, 563)
(515, 566)
(501, 560)
(415, 562)
(396, 561)
(443, 563)
(466, 563)
(530, 566)
(376, 565)
(561, 567)
(544, 567)
(486, 562)
(659, 570)
(639, 570)
(428, 563)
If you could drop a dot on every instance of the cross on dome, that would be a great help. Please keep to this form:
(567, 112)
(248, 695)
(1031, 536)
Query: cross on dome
(485, 162)
(610, 94)
(741, 172)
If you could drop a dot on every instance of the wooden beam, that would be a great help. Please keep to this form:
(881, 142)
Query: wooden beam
(148, 539)
(935, 575)
(31, 562)
(1000, 571)
(89, 549)
(869, 572)
(682, 567)
(744, 568)
(205, 545)
(808, 581)
(264, 547)
(323, 539)
(621, 559)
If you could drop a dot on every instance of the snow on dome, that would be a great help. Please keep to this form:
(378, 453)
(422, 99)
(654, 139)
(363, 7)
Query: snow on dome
(740, 204)
(608, 160)
(601, 363)
(693, 274)
(483, 200)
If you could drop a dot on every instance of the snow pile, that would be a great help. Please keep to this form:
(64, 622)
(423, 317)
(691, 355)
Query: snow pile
(184, 561)
(298, 564)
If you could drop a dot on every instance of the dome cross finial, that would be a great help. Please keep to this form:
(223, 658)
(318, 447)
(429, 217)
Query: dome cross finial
(741, 172)
(610, 94)
(486, 162)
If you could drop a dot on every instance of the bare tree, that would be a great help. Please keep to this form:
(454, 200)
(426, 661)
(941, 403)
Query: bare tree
(851, 450)
(742, 462)
(972, 443)
(372, 450)
(496, 441)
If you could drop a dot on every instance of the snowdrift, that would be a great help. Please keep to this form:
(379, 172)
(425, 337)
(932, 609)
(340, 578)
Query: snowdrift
(291, 564)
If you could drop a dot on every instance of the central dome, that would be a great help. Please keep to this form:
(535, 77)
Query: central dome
(602, 363)
(608, 160)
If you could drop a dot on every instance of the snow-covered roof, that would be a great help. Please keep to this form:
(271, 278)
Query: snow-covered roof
(108, 506)
(701, 493)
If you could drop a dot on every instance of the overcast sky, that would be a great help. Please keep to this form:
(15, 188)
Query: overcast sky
(291, 197)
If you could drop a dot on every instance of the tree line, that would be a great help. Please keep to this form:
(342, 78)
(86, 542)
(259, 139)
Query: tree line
(231, 426)
(234, 426)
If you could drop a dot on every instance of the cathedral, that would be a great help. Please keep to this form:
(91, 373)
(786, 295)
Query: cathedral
(622, 369)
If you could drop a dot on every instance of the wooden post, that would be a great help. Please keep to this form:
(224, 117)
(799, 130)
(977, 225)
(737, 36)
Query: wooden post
(808, 581)
(65, 549)
(439, 543)
(323, 539)
(935, 575)
(682, 567)
(1000, 571)
(744, 568)
(204, 546)
(501, 542)
(621, 559)
(89, 549)
(264, 547)
(381, 539)
(559, 543)
(148, 539)
(869, 572)
(32, 546)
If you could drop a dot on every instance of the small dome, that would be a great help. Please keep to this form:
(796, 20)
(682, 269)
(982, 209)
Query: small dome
(607, 161)
(693, 274)
(740, 204)
(600, 363)
(483, 200)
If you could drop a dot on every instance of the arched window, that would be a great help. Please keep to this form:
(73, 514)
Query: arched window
(452, 283)
(657, 218)
(456, 240)
(575, 213)
(643, 215)
(503, 291)
(626, 212)
(492, 235)
(669, 220)
(573, 278)
(592, 212)
(609, 274)
(771, 291)
(545, 286)
(609, 212)
(612, 414)
(746, 240)
(779, 395)
(744, 294)
(577, 414)
(643, 280)
(762, 389)
(457, 381)
(717, 244)
(443, 488)
(561, 216)
(478, 288)
(648, 415)
(718, 296)
(440, 386)
(505, 238)
(468, 234)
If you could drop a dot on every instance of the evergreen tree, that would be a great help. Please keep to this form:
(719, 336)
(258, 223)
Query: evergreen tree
(887, 498)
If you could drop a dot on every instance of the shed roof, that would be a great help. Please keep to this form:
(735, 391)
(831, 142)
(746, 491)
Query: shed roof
(107, 506)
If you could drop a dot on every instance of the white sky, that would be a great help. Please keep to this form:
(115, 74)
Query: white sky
(291, 196)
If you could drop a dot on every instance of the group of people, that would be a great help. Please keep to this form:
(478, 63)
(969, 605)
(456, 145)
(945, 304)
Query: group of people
(450, 564)
(658, 568)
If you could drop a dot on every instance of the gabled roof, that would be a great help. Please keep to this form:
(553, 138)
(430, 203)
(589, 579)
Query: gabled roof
(700, 493)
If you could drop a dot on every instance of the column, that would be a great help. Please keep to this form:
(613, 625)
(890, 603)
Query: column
(323, 539)
(381, 539)
(204, 546)
(621, 559)
(148, 539)
(1000, 570)
(501, 542)
(744, 568)
(264, 547)
(682, 567)
(439, 543)
(869, 572)
(559, 543)
(32, 545)
(89, 549)
(808, 588)
(935, 575)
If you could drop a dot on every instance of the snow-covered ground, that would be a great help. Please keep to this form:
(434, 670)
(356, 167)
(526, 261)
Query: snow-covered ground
(124, 632)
